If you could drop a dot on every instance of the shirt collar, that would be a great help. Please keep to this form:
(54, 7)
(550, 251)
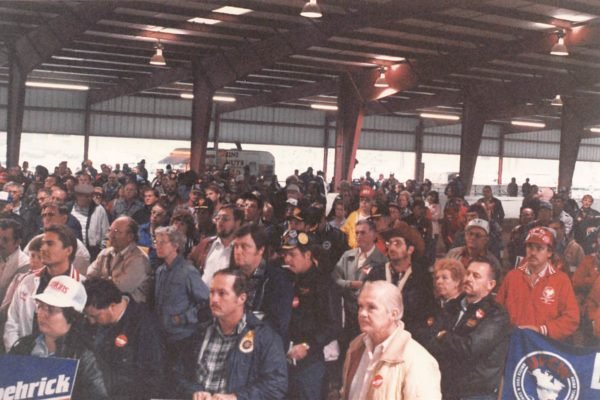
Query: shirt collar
(381, 346)
(239, 328)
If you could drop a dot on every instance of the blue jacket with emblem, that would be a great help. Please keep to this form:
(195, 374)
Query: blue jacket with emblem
(256, 374)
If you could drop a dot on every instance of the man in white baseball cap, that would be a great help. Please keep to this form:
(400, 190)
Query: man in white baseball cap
(477, 235)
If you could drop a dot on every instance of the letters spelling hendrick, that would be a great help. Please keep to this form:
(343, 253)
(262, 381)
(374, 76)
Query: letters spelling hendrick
(31, 390)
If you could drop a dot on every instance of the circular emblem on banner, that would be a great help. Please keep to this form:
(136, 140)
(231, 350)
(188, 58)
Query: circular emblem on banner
(121, 340)
(545, 375)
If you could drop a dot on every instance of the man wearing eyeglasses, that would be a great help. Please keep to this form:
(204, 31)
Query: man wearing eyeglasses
(213, 253)
(476, 244)
(124, 262)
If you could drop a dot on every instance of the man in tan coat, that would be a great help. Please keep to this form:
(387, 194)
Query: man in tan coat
(384, 362)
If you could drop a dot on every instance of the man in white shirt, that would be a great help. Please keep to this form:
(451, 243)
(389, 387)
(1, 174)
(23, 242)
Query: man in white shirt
(214, 253)
(384, 362)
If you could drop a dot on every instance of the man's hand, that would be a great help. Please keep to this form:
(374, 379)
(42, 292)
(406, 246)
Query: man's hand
(531, 327)
(356, 284)
(223, 396)
(201, 396)
(298, 352)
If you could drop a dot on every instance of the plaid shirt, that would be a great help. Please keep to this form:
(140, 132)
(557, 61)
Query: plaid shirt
(211, 372)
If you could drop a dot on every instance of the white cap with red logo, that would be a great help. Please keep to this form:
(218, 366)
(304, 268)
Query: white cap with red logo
(64, 291)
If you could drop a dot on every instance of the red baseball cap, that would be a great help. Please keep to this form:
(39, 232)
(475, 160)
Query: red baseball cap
(540, 235)
(367, 192)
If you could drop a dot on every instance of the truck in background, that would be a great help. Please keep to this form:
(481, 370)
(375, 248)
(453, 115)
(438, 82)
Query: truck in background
(260, 163)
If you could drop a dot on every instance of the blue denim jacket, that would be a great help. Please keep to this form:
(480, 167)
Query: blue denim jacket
(179, 295)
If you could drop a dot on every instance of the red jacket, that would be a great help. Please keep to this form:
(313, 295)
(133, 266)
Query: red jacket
(550, 304)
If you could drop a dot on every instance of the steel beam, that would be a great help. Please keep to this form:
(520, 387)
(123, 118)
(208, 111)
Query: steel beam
(351, 111)
(201, 116)
(571, 133)
(16, 107)
(473, 121)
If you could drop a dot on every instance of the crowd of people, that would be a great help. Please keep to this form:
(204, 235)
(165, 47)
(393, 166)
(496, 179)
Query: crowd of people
(232, 286)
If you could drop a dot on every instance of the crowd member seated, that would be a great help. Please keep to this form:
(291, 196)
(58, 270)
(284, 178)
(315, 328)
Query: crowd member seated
(12, 259)
(236, 356)
(384, 362)
(180, 295)
(448, 275)
(60, 320)
(366, 200)
(351, 272)
(58, 253)
(316, 317)
(405, 270)
(570, 252)
(586, 219)
(124, 262)
(537, 295)
(93, 219)
(476, 244)
(270, 288)
(471, 340)
(214, 253)
(159, 217)
(128, 204)
(127, 339)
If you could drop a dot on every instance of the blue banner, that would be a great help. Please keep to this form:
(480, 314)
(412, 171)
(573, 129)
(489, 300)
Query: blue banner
(26, 377)
(540, 368)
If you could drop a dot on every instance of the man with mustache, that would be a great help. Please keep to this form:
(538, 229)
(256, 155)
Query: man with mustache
(235, 356)
(536, 294)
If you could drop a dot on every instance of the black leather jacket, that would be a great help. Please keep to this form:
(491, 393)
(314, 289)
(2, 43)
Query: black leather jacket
(316, 313)
(472, 352)
(89, 382)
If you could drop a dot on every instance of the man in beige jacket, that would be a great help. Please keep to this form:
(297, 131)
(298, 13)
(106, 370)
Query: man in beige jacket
(384, 362)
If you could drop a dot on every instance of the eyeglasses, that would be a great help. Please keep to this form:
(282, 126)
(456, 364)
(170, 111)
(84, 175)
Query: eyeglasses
(47, 308)
(223, 218)
(114, 230)
(48, 215)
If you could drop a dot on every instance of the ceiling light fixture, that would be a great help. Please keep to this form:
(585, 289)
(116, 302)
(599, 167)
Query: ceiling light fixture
(232, 10)
(325, 107)
(447, 117)
(311, 10)
(560, 49)
(158, 58)
(382, 82)
(595, 130)
(222, 99)
(528, 124)
(557, 101)
(49, 85)
(206, 21)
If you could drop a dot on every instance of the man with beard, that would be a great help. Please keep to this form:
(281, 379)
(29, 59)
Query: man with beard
(214, 253)
(405, 248)
(536, 294)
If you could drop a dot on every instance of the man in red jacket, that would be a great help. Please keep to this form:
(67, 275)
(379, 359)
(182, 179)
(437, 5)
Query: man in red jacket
(536, 294)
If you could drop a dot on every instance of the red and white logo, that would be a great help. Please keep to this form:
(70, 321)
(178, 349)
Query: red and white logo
(377, 381)
(121, 340)
(548, 295)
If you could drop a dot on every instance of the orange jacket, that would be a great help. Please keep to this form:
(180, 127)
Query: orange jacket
(550, 305)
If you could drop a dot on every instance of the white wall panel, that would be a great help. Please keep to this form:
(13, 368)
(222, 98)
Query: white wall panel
(3, 95)
(531, 149)
(53, 121)
(441, 144)
(589, 153)
(489, 147)
(387, 141)
(388, 123)
(540, 136)
(69, 99)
